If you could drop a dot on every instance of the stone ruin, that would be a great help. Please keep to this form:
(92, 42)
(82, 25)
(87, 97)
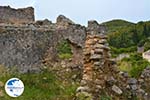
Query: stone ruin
(101, 78)
(96, 55)
(22, 15)
(29, 44)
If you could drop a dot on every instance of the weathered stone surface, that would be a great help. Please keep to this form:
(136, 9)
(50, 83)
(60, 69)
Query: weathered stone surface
(95, 28)
(96, 73)
(141, 81)
(133, 87)
(34, 39)
(111, 81)
(132, 81)
(97, 63)
(82, 89)
(146, 72)
(125, 74)
(144, 83)
(83, 83)
(43, 22)
(95, 56)
(99, 46)
(62, 20)
(11, 15)
(24, 48)
(116, 89)
(102, 41)
(28, 46)
(98, 51)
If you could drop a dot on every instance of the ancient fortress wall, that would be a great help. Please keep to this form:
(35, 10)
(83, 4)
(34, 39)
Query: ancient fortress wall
(11, 15)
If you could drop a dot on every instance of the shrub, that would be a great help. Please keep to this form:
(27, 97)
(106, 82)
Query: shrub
(134, 65)
(64, 50)
(65, 56)
(117, 51)
(138, 67)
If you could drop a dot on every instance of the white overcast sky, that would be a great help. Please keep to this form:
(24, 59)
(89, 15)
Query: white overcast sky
(80, 11)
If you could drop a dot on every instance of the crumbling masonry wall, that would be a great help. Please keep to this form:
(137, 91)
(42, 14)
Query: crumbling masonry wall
(96, 66)
(101, 78)
(10, 15)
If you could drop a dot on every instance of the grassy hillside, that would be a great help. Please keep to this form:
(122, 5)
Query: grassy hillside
(123, 34)
(117, 24)
(124, 37)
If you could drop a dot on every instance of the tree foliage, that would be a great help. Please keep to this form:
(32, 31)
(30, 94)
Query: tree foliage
(123, 34)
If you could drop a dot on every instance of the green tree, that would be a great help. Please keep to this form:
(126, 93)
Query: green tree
(135, 35)
(145, 31)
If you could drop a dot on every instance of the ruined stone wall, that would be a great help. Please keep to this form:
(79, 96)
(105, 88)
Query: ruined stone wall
(101, 77)
(11, 15)
(35, 43)
(27, 47)
(24, 47)
(97, 68)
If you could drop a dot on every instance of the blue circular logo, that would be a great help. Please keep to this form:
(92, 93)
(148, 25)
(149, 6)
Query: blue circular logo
(14, 87)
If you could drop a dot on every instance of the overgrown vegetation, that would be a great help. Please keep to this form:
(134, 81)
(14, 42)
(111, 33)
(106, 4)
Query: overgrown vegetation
(64, 50)
(40, 86)
(133, 65)
(126, 36)
(116, 51)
